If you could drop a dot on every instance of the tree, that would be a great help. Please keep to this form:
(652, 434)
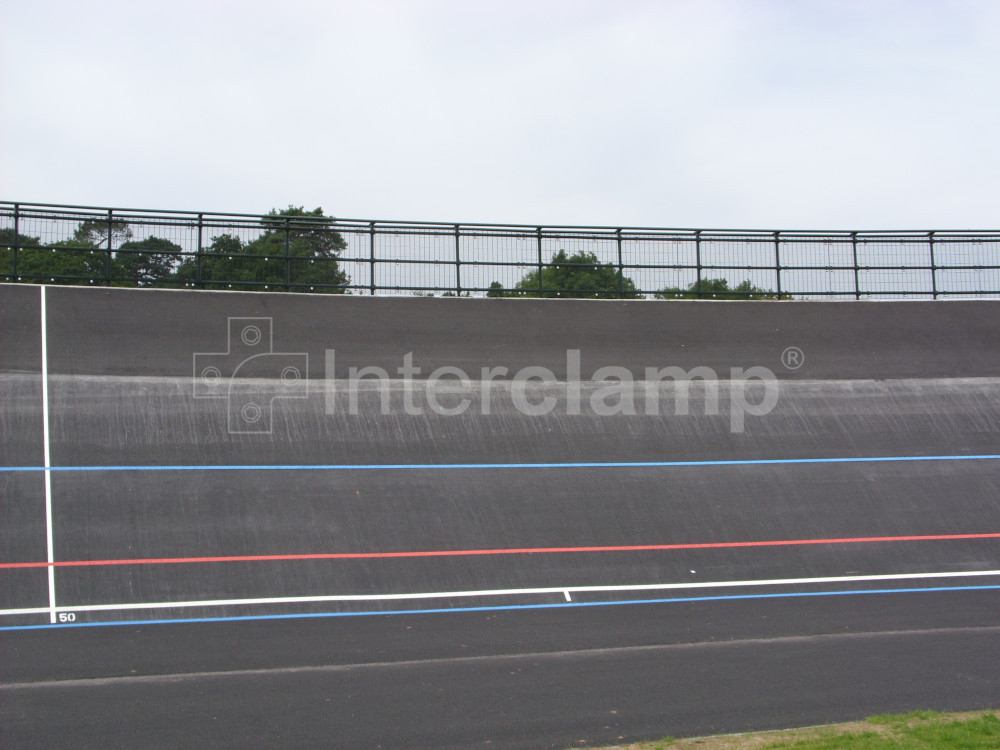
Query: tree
(66, 262)
(297, 248)
(718, 289)
(226, 261)
(12, 243)
(95, 232)
(8, 240)
(149, 261)
(580, 275)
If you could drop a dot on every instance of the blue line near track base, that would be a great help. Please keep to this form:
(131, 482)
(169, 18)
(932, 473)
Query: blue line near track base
(498, 608)
(569, 465)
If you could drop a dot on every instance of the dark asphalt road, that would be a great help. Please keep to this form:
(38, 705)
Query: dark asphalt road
(524, 679)
(760, 635)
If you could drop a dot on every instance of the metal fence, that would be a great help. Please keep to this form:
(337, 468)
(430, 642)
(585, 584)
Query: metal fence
(42, 243)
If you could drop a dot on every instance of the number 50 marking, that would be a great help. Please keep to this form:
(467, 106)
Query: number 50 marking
(67, 617)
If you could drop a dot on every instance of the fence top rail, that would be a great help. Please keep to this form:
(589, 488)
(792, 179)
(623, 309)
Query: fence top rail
(69, 211)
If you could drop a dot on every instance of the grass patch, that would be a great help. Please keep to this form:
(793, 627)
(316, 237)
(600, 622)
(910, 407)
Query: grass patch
(898, 719)
(918, 730)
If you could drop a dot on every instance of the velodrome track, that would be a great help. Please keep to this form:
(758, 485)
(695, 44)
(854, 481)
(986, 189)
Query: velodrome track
(182, 565)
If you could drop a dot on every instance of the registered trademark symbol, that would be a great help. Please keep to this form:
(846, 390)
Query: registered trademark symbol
(793, 358)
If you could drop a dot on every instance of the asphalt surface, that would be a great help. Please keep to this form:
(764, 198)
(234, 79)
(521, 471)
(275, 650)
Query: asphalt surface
(256, 555)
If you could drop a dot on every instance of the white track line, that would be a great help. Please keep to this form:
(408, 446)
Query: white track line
(563, 590)
(26, 611)
(49, 547)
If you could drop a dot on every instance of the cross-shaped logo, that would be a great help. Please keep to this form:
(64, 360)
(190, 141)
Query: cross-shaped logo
(250, 375)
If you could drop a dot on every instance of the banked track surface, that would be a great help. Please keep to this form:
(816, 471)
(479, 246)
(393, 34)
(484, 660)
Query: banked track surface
(360, 576)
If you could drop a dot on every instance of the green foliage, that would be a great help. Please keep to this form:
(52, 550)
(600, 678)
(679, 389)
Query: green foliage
(295, 241)
(580, 275)
(296, 247)
(8, 239)
(717, 289)
(95, 232)
(921, 729)
(900, 719)
(66, 262)
(149, 261)
(929, 730)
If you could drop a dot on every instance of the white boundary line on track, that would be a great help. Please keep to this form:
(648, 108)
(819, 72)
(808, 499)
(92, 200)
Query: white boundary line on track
(49, 546)
(561, 590)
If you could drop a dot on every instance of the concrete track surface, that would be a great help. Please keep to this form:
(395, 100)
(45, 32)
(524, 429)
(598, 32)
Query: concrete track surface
(214, 534)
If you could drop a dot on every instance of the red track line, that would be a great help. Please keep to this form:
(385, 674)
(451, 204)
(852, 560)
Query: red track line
(515, 551)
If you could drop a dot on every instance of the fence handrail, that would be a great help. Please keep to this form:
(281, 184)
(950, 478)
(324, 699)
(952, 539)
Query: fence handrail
(449, 226)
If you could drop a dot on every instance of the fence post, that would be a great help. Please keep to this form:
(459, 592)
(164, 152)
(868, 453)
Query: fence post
(777, 261)
(107, 262)
(371, 257)
(621, 267)
(288, 255)
(934, 289)
(201, 251)
(458, 262)
(17, 240)
(697, 261)
(541, 287)
(854, 252)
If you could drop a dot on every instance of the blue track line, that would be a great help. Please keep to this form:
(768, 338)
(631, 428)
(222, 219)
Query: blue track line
(550, 465)
(497, 608)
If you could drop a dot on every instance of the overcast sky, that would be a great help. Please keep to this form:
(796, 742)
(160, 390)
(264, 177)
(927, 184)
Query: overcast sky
(809, 114)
